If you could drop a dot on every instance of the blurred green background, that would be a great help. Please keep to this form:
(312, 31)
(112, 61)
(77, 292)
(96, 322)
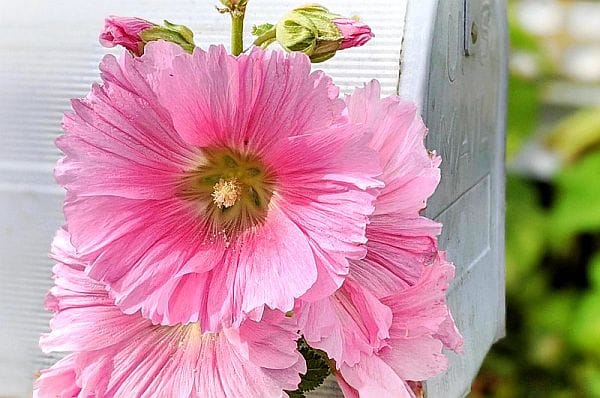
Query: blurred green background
(552, 348)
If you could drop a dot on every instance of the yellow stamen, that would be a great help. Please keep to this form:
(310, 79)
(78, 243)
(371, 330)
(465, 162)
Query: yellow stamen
(226, 192)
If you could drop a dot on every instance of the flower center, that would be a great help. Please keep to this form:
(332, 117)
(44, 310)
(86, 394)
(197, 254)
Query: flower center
(226, 192)
(233, 189)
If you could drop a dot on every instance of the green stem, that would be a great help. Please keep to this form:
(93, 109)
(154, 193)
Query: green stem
(237, 31)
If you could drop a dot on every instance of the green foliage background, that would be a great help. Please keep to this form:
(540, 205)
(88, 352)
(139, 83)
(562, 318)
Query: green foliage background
(552, 348)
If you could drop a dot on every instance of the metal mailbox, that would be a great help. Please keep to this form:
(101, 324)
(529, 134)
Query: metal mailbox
(461, 56)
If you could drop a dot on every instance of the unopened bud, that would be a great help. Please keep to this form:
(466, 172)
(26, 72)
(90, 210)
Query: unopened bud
(318, 33)
(125, 31)
(135, 33)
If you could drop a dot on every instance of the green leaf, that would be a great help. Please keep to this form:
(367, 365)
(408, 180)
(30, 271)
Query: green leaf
(259, 30)
(525, 244)
(576, 135)
(318, 368)
(585, 327)
(523, 111)
(577, 206)
(266, 34)
(594, 271)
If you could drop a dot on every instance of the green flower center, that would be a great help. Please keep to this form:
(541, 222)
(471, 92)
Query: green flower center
(233, 189)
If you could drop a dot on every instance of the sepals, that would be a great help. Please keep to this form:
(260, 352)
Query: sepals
(265, 34)
(178, 34)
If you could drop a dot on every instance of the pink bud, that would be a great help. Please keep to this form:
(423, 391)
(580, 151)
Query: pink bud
(355, 32)
(124, 31)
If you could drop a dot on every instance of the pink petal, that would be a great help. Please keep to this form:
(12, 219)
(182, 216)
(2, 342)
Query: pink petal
(251, 101)
(59, 381)
(397, 251)
(411, 174)
(277, 264)
(418, 333)
(373, 378)
(347, 324)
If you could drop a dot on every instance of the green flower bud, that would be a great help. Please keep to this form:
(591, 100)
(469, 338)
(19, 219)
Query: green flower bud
(315, 31)
(177, 34)
(310, 29)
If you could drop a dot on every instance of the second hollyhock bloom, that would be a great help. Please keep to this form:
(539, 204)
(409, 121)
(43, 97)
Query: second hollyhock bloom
(203, 187)
(120, 355)
(389, 321)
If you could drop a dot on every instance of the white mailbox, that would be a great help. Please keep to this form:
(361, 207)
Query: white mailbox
(449, 56)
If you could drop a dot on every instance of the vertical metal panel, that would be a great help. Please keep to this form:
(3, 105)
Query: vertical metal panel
(463, 101)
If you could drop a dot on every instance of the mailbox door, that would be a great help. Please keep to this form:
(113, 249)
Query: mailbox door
(460, 59)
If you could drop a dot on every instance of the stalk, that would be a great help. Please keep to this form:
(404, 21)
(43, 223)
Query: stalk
(237, 30)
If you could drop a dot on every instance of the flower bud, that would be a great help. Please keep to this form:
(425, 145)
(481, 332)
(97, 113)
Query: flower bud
(124, 31)
(313, 30)
(134, 33)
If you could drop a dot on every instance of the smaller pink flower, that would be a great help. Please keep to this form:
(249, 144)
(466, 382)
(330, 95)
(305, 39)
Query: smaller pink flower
(124, 31)
(355, 32)
(119, 355)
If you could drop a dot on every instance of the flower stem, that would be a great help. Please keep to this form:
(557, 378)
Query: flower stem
(237, 31)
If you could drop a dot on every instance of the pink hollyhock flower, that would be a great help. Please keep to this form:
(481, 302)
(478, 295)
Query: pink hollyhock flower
(202, 187)
(120, 355)
(355, 32)
(401, 242)
(124, 31)
(358, 322)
